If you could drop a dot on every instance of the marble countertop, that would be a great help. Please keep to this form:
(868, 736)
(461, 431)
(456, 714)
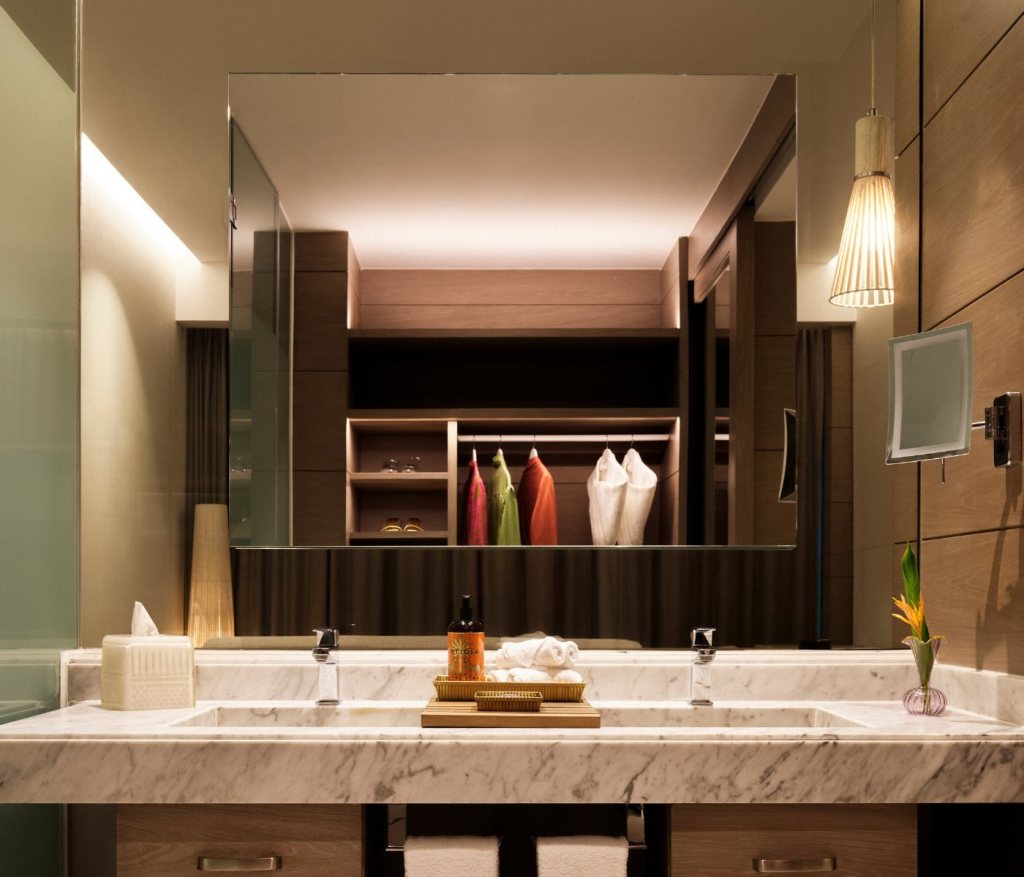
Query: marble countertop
(867, 751)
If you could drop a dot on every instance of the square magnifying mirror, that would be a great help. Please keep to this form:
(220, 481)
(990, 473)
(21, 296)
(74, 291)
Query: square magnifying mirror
(930, 395)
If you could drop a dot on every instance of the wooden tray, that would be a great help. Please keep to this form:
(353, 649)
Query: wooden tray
(450, 689)
(464, 714)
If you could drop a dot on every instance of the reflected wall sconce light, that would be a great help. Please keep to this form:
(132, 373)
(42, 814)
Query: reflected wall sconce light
(864, 267)
(211, 610)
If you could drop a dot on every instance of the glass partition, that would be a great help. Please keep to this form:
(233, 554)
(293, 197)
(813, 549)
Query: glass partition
(261, 349)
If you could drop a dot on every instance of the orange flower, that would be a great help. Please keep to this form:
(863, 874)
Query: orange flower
(912, 615)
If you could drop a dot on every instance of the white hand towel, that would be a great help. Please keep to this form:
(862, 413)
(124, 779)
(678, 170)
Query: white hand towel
(533, 674)
(639, 497)
(606, 491)
(545, 652)
(443, 856)
(582, 856)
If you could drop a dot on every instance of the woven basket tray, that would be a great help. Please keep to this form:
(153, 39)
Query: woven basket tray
(552, 692)
(509, 701)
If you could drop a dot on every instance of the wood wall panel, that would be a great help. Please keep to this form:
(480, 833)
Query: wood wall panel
(908, 230)
(472, 287)
(511, 316)
(671, 291)
(775, 278)
(321, 321)
(975, 597)
(976, 495)
(318, 508)
(775, 358)
(973, 185)
(320, 409)
(774, 521)
(958, 34)
(739, 242)
(907, 119)
(321, 251)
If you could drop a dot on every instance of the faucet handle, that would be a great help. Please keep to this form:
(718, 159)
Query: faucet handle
(326, 638)
(702, 638)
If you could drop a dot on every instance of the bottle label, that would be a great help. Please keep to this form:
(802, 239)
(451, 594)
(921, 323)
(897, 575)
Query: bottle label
(466, 657)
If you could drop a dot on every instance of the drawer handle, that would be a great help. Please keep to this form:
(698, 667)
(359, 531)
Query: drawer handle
(268, 863)
(795, 866)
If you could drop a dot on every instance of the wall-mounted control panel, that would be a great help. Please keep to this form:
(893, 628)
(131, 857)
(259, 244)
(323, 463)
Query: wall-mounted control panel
(1003, 427)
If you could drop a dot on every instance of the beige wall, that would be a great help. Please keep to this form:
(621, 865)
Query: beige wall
(132, 409)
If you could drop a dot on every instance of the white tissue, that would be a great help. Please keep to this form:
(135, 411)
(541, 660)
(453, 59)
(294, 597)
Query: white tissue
(142, 622)
(546, 653)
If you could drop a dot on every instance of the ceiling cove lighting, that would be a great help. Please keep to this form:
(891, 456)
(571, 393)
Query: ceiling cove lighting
(864, 267)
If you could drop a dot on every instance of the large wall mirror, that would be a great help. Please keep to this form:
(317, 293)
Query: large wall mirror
(430, 270)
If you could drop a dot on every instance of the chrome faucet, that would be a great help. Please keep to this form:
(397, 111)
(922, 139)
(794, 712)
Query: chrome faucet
(323, 654)
(701, 639)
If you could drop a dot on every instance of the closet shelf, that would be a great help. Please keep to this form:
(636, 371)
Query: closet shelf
(398, 481)
(619, 419)
(591, 438)
(375, 536)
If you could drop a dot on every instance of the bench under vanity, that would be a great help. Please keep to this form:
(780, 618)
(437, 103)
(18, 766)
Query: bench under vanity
(852, 776)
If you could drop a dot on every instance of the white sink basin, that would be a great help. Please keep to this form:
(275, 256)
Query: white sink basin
(355, 714)
(686, 716)
(406, 714)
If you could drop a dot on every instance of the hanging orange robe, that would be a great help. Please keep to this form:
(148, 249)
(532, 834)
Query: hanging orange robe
(538, 513)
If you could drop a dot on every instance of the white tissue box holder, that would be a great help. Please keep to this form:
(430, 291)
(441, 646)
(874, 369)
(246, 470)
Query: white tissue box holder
(147, 673)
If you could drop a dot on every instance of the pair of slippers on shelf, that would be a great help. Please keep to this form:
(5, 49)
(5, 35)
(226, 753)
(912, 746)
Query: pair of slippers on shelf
(394, 525)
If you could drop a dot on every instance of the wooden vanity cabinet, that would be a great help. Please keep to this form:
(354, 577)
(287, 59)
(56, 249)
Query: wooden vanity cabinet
(172, 840)
(730, 840)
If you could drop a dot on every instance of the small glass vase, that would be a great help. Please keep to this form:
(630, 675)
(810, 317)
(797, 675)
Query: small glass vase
(925, 700)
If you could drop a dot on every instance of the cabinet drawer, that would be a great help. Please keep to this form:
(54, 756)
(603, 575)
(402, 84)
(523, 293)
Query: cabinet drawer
(307, 841)
(727, 840)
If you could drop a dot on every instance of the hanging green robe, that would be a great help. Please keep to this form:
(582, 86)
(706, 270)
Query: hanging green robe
(503, 510)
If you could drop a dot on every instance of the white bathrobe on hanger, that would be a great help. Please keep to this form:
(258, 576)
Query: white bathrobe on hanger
(606, 490)
(639, 497)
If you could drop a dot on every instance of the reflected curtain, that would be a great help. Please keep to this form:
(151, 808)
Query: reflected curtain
(206, 427)
(812, 383)
(651, 595)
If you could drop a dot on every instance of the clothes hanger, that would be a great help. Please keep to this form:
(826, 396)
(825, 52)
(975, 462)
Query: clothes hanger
(533, 450)
(473, 458)
(500, 452)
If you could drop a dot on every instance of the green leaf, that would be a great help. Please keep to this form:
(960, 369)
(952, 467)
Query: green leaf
(911, 578)
(912, 585)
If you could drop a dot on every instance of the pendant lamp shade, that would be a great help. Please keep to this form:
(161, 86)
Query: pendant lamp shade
(864, 267)
(211, 611)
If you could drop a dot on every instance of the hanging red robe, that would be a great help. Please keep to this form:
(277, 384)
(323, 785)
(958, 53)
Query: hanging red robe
(474, 508)
(538, 513)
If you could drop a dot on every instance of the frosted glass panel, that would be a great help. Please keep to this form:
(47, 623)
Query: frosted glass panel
(38, 405)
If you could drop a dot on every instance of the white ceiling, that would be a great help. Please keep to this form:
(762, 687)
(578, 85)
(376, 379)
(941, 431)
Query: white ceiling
(498, 171)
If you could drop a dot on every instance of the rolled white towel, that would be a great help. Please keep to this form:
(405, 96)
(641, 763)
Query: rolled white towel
(547, 652)
(533, 674)
(430, 856)
(557, 654)
(582, 856)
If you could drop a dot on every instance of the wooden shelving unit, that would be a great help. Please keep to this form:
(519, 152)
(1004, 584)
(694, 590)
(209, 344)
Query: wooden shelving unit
(424, 358)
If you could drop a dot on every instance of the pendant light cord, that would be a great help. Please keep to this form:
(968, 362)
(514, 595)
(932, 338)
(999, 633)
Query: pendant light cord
(873, 105)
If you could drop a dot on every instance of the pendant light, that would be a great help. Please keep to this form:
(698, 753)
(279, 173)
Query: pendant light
(864, 266)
